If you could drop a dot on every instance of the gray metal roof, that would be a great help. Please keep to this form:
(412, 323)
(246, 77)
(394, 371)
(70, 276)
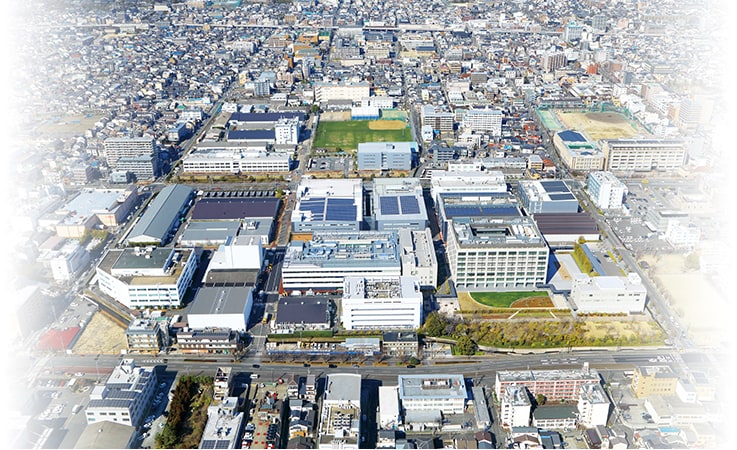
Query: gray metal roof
(156, 222)
(220, 300)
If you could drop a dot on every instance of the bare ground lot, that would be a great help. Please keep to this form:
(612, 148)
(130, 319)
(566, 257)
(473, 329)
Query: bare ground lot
(702, 308)
(101, 336)
(606, 125)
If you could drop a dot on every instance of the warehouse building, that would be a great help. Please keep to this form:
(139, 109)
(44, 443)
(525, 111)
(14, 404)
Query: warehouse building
(608, 294)
(162, 217)
(221, 307)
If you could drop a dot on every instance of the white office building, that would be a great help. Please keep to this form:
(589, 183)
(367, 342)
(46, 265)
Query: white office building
(466, 181)
(381, 303)
(224, 423)
(66, 261)
(323, 263)
(505, 252)
(125, 395)
(340, 418)
(608, 294)
(417, 253)
(483, 121)
(239, 158)
(605, 190)
(445, 393)
(390, 414)
(286, 131)
(515, 407)
(355, 92)
(593, 406)
(147, 277)
(328, 205)
(386, 155)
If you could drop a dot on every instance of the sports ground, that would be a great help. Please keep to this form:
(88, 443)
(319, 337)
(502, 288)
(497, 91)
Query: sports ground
(337, 131)
(596, 125)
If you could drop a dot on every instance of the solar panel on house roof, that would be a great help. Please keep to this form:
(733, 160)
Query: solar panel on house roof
(388, 205)
(222, 444)
(409, 204)
(208, 443)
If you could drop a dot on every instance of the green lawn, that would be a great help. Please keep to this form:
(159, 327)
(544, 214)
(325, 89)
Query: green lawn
(503, 299)
(347, 135)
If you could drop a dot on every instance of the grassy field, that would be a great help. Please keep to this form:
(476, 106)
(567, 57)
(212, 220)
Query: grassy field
(347, 135)
(506, 299)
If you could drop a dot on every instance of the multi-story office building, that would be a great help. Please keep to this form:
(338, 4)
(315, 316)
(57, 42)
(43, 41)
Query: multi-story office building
(238, 158)
(222, 341)
(440, 122)
(577, 152)
(328, 205)
(466, 181)
(551, 196)
(608, 294)
(515, 406)
(643, 155)
(146, 336)
(605, 190)
(125, 395)
(502, 252)
(147, 277)
(286, 131)
(386, 155)
(324, 92)
(381, 303)
(398, 203)
(66, 260)
(445, 393)
(593, 405)
(484, 121)
(417, 253)
(654, 380)
(323, 263)
(553, 384)
(340, 418)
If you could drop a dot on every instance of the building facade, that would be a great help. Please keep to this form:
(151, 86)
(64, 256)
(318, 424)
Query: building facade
(147, 277)
(553, 384)
(484, 121)
(209, 341)
(146, 336)
(515, 407)
(386, 155)
(124, 397)
(381, 303)
(654, 380)
(577, 152)
(593, 405)
(643, 155)
(608, 294)
(605, 189)
(496, 253)
(442, 392)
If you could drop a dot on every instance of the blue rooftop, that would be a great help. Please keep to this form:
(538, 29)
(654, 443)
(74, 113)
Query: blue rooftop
(571, 136)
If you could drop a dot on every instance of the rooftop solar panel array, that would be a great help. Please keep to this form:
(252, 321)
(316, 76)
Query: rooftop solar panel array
(566, 196)
(554, 186)
(389, 206)
(340, 209)
(409, 204)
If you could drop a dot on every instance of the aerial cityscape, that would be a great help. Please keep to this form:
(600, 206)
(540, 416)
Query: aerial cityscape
(344, 224)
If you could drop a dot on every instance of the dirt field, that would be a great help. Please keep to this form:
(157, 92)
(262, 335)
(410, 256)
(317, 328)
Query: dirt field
(68, 126)
(698, 304)
(101, 336)
(335, 116)
(387, 125)
(607, 125)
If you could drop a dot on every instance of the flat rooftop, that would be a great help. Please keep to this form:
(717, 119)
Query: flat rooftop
(445, 386)
(501, 204)
(349, 248)
(343, 387)
(521, 376)
(220, 300)
(207, 209)
(517, 231)
(547, 191)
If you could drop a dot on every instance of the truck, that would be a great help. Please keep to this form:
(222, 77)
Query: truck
(265, 320)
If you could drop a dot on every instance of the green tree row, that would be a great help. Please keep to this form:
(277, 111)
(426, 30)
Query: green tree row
(187, 413)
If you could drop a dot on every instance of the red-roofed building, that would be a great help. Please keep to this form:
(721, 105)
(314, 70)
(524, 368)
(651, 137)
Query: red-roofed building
(57, 340)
